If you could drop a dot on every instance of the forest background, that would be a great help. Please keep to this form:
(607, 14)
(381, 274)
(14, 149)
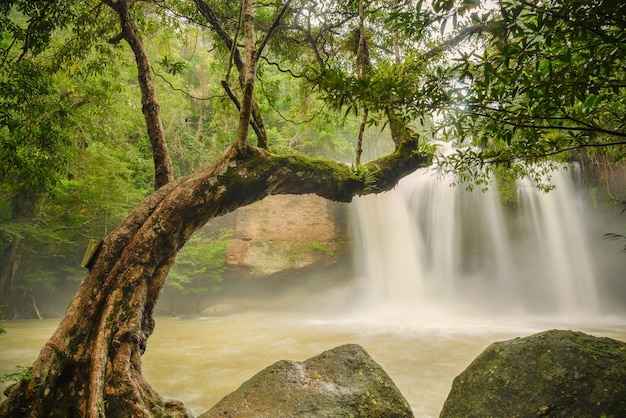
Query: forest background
(75, 157)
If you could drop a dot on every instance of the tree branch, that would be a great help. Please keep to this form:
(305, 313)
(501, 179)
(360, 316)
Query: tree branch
(208, 13)
(548, 127)
(460, 37)
(184, 91)
(249, 76)
(163, 170)
(282, 70)
(526, 157)
(235, 100)
(271, 29)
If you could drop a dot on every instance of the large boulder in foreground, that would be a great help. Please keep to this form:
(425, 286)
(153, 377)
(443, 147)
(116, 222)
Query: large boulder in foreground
(550, 374)
(342, 382)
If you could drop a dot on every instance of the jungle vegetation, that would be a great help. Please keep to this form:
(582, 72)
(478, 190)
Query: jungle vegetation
(141, 121)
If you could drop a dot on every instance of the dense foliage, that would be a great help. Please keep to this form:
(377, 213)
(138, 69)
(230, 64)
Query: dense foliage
(549, 80)
(521, 80)
(72, 136)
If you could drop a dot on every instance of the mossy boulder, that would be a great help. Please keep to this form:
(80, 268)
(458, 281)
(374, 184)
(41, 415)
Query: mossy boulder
(342, 382)
(550, 374)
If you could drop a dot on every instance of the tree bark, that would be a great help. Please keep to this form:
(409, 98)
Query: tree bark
(163, 171)
(256, 117)
(92, 363)
(249, 74)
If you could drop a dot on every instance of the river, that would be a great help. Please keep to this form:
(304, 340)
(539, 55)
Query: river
(200, 361)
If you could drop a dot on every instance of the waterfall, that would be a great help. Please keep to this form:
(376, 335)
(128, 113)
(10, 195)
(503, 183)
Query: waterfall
(427, 244)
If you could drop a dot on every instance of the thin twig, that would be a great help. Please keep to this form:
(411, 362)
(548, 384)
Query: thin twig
(183, 91)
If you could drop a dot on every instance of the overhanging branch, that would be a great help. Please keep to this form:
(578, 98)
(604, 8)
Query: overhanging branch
(529, 125)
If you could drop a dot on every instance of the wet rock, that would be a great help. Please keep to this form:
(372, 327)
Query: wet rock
(550, 374)
(342, 382)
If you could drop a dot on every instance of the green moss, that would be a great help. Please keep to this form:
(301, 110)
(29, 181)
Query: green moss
(553, 373)
(318, 246)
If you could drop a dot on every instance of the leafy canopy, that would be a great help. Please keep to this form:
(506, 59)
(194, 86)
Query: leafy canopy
(548, 80)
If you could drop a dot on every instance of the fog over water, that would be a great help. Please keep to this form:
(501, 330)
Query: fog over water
(439, 274)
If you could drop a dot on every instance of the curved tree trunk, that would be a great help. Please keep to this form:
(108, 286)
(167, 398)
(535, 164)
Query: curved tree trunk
(91, 366)
(92, 363)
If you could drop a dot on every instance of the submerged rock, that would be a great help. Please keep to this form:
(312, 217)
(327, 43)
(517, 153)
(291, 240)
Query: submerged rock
(550, 374)
(342, 382)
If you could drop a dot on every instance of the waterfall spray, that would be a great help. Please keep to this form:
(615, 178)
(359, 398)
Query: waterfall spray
(429, 244)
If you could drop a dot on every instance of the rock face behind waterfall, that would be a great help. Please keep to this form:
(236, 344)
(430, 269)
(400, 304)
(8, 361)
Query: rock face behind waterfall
(342, 382)
(286, 233)
(553, 374)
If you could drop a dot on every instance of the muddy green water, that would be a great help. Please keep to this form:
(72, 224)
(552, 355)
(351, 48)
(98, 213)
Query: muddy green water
(200, 361)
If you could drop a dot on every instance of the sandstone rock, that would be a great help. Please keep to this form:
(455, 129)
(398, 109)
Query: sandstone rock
(342, 382)
(295, 218)
(550, 374)
(263, 258)
(286, 233)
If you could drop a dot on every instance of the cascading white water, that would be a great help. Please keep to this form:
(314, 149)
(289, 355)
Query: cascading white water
(427, 245)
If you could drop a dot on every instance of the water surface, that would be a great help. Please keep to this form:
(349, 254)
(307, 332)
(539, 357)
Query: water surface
(200, 361)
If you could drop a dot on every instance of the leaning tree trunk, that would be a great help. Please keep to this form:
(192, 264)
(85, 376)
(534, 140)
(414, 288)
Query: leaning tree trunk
(91, 366)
